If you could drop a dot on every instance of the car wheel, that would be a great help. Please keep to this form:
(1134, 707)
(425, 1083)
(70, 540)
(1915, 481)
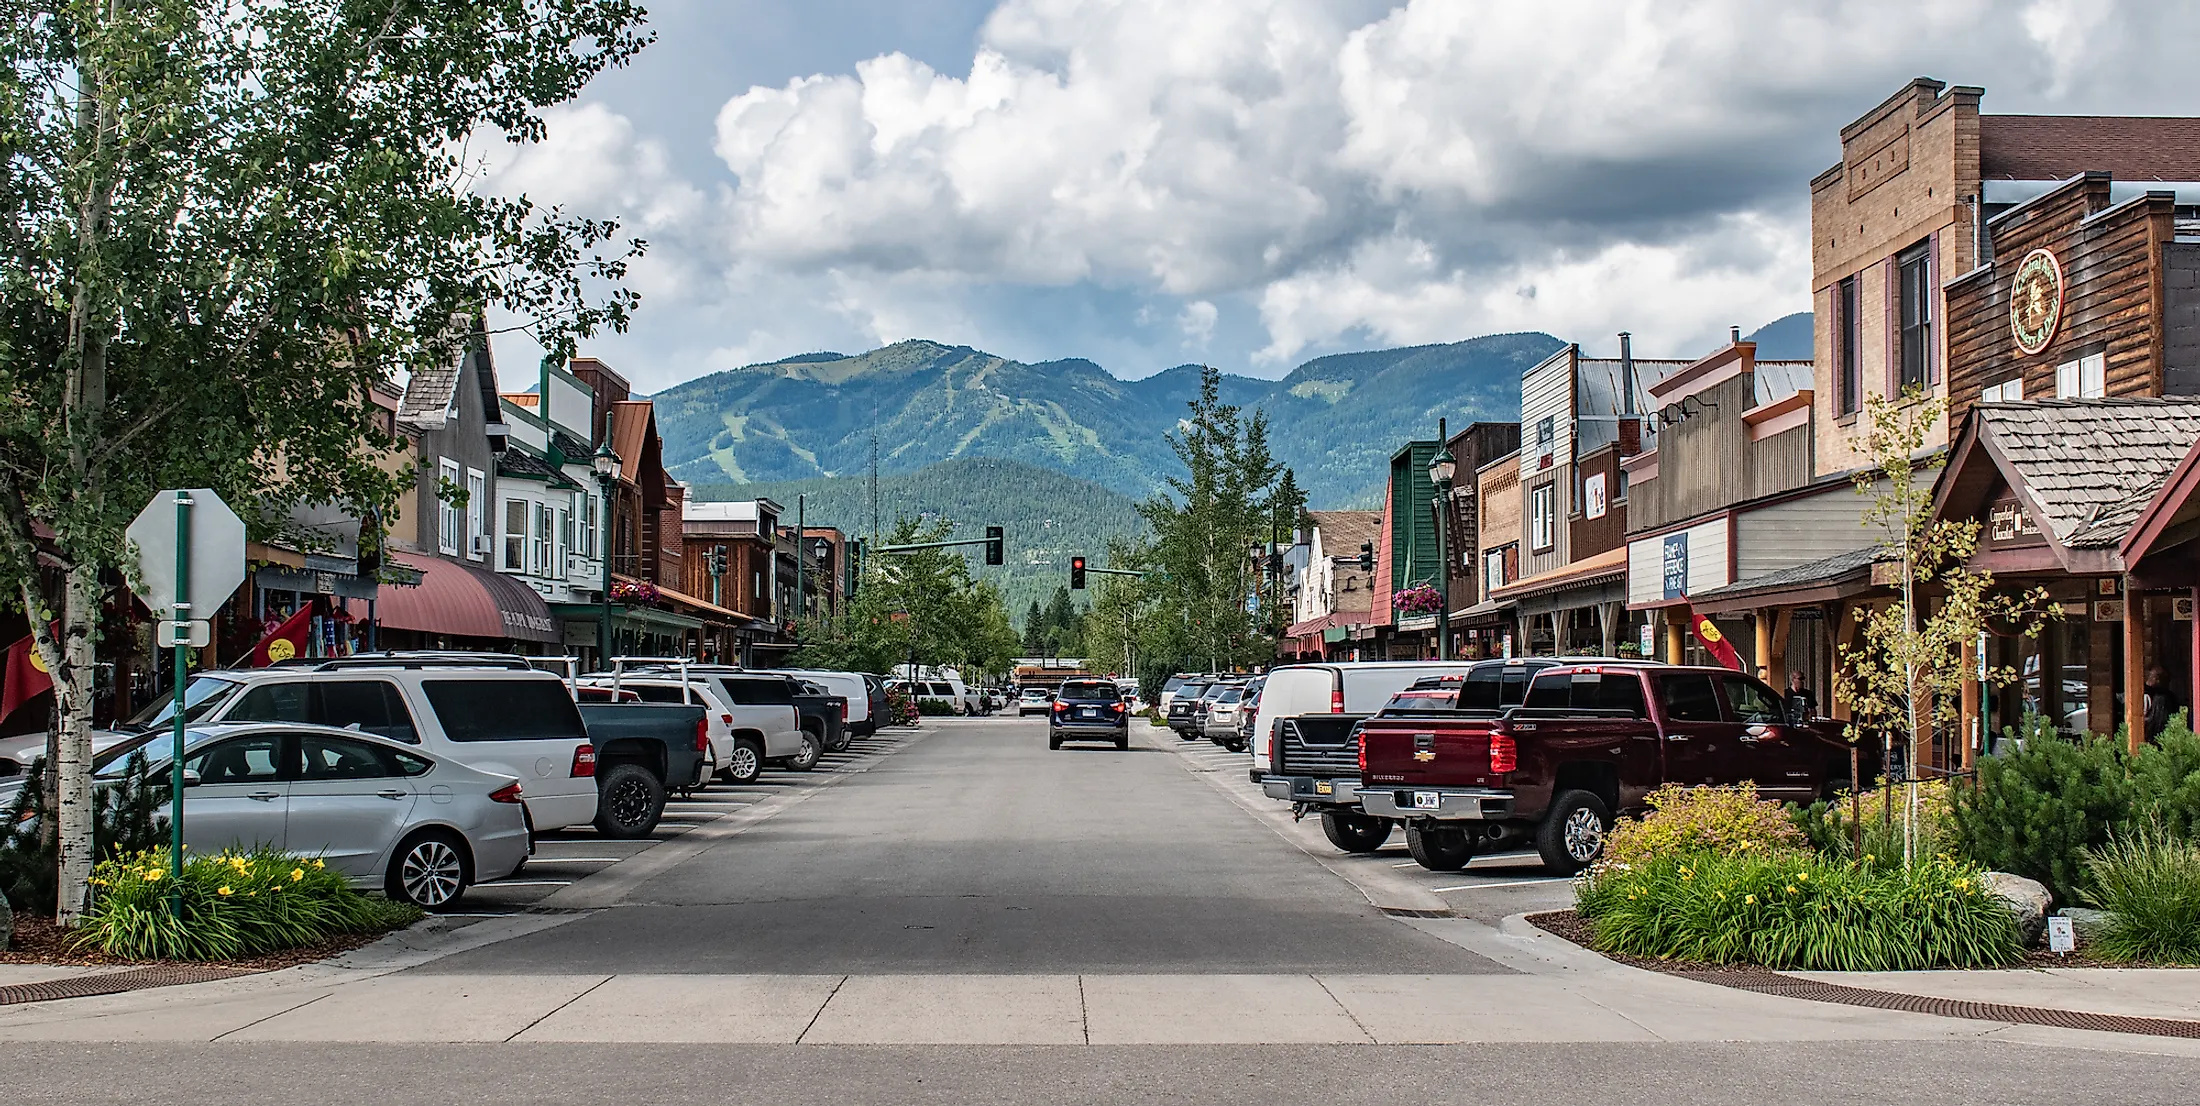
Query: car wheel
(1439, 848)
(430, 870)
(1355, 833)
(746, 762)
(1188, 735)
(1572, 834)
(1054, 741)
(1123, 738)
(806, 758)
(629, 801)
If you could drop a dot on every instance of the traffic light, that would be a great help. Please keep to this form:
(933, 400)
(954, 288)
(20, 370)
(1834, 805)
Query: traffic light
(1367, 554)
(718, 560)
(1076, 574)
(994, 553)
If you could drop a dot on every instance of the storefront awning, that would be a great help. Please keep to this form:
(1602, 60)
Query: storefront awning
(1488, 611)
(464, 601)
(1822, 581)
(1603, 568)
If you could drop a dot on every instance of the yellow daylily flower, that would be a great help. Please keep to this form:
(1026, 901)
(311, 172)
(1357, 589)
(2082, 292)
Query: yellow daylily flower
(297, 874)
(1751, 900)
(223, 891)
(1803, 876)
(152, 875)
(1790, 888)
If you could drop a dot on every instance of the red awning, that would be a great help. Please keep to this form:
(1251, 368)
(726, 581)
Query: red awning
(464, 601)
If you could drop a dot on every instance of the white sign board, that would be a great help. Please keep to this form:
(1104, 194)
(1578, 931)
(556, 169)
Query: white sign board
(2062, 936)
(217, 550)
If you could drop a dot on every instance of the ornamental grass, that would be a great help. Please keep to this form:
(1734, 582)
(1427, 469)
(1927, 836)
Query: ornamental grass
(235, 905)
(1797, 912)
(2148, 880)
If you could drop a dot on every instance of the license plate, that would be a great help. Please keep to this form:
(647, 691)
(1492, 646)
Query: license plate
(1324, 787)
(1088, 714)
(1427, 800)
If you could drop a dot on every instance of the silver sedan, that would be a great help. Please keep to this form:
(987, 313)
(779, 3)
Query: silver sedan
(423, 828)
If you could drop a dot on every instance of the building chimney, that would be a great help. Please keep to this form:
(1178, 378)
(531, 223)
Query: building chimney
(1626, 373)
(1734, 335)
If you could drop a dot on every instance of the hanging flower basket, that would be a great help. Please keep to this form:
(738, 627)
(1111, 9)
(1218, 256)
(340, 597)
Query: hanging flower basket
(1419, 599)
(634, 592)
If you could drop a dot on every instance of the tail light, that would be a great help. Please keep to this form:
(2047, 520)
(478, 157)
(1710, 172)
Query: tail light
(702, 735)
(1336, 700)
(1362, 735)
(844, 710)
(1504, 756)
(584, 761)
(1061, 708)
(509, 793)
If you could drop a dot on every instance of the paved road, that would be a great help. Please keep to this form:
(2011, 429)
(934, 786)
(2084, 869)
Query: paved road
(977, 850)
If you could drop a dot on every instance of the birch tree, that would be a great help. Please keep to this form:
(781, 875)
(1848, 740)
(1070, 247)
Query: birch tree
(225, 220)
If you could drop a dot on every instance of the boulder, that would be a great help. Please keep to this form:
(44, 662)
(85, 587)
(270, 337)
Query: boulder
(2028, 899)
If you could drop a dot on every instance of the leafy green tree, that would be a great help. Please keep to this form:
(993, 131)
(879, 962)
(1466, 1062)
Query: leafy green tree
(225, 222)
(1205, 527)
(922, 607)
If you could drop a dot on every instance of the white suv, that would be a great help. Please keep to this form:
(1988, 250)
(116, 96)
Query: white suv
(493, 714)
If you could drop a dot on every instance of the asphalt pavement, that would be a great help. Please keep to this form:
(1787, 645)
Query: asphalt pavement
(979, 850)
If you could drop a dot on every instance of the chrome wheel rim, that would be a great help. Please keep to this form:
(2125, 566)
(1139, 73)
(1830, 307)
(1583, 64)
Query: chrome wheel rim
(431, 873)
(808, 755)
(744, 762)
(1584, 834)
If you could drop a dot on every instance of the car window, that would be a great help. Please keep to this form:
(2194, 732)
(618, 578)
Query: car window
(1753, 703)
(1173, 684)
(375, 706)
(202, 697)
(1689, 697)
(274, 702)
(658, 693)
(505, 710)
(1618, 691)
(758, 692)
(1553, 692)
(328, 757)
(1231, 695)
(256, 758)
(1429, 698)
(1088, 691)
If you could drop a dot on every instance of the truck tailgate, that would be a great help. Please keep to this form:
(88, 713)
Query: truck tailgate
(1429, 751)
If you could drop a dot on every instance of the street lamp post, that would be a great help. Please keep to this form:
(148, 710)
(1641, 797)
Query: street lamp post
(1441, 469)
(606, 465)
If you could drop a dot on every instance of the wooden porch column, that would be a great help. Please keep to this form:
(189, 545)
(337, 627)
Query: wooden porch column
(1676, 646)
(1783, 626)
(2135, 666)
(2192, 704)
(1763, 620)
(1971, 720)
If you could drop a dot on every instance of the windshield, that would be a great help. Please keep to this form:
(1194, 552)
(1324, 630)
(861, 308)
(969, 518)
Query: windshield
(111, 762)
(1089, 691)
(1174, 684)
(203, 696)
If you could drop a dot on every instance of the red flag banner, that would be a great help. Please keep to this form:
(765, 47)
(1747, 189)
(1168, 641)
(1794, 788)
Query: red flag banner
(286, 640)
(1708, 632)
(23, 677)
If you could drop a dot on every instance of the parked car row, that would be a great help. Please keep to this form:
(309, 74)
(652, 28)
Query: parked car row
(424, 773)
(1542, 752)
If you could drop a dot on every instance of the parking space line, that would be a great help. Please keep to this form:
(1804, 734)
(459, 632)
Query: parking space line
(1509, 883)
(576, 859)
(526, 883)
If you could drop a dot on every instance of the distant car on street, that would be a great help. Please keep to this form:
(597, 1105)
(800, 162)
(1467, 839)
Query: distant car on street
(1088, 710)
(1034, 700)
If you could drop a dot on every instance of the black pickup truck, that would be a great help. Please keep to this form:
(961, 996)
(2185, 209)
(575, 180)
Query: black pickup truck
(822, 713)
(643, 751)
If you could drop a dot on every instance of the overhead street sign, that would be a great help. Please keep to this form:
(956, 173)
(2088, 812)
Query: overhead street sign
(216, 554)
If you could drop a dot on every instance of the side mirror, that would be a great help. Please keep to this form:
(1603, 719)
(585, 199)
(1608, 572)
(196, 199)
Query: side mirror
(190, 778)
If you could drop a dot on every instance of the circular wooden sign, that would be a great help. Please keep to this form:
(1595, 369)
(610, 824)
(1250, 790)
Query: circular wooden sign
(2036, 301)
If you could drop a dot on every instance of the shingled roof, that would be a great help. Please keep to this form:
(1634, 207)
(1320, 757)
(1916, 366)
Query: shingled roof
(1342, 533)
(2091, 465)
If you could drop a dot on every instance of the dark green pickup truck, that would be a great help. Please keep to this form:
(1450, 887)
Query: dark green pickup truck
(643, 751)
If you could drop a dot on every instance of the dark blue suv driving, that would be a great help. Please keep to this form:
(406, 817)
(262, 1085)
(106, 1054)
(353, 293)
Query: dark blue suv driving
(1089, 710)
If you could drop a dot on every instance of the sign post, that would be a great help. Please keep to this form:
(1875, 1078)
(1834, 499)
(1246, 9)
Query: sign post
(208, 559)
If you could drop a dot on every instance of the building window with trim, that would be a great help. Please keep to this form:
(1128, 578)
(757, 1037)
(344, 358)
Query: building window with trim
(588, 525)
(1848, 341)
(1545, 518)
(1914, 291)
(515, 535)
(2084, 378)
(562, 546)
(449, 519)
(477, 513)
(544, 520)
(2008, 391)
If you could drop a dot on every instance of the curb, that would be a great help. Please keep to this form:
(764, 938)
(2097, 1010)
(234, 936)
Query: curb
(115, 983)
(1764, 981)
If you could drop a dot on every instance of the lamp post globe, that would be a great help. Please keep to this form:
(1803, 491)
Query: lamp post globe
(606, 466)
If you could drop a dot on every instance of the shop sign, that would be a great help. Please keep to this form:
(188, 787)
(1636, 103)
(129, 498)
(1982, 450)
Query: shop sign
(2007, 521)
(2036, 301)
(1594, 500)
(1649, 643)
(1674, 565)
(2108, 610)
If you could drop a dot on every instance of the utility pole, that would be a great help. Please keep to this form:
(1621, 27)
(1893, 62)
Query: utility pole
(801, 542)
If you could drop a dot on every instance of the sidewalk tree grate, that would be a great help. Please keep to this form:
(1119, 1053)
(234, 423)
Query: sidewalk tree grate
(115, 983)
(1773, 983)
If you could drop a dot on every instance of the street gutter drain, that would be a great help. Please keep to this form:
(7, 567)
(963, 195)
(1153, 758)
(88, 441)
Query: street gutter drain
(115, 983)
(1773, 983)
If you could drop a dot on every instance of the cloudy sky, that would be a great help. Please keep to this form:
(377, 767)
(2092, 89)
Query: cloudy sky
(1250, 183)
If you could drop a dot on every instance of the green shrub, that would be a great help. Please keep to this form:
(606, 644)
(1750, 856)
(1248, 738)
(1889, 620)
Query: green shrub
(2035, 812)
(933, 707)
(234, 905)
(1799, 913)
(1722, 820)
(2165, 780)
(1826, 826)
(2148, 879)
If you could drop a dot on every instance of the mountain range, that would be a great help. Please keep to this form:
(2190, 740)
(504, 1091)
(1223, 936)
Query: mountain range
(1334, 419)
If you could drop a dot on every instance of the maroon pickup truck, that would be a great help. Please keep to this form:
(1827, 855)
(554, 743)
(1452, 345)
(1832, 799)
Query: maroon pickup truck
(1589, 742)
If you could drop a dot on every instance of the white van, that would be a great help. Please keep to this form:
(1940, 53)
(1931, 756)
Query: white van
(848, 685)
(1346, 687)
